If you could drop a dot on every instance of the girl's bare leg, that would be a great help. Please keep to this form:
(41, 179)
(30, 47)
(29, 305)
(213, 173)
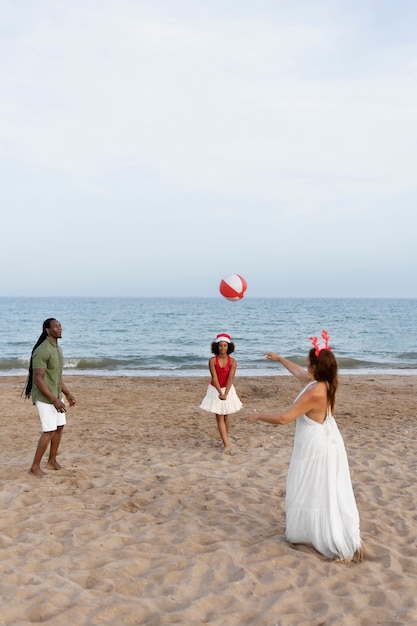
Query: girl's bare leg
(223, 426)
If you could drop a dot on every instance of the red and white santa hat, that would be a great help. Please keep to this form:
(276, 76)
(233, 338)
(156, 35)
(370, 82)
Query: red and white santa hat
(223, 337)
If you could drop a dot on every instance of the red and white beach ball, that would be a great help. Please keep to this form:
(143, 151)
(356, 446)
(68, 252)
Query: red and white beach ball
(233, 287)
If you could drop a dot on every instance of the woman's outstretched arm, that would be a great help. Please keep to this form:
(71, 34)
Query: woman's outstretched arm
(294, 369)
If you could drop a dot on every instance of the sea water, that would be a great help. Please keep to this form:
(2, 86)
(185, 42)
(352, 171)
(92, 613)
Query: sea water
(172, 336)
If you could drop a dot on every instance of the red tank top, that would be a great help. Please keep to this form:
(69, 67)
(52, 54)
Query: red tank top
(222, 372)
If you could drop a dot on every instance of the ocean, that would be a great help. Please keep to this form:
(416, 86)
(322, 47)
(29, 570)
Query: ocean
(172, 336)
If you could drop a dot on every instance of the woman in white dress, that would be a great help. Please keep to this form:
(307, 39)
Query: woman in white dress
(320, 504)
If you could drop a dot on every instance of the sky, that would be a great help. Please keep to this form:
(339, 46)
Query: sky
(152, 147)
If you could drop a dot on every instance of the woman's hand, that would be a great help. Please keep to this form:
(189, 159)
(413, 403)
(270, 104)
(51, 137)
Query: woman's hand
(271, 356)
(252, 417)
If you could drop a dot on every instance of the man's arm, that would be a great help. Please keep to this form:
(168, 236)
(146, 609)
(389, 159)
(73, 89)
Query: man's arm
(67, 394)
(38, 378)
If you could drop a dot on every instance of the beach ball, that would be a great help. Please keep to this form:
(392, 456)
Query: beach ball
(233, 287)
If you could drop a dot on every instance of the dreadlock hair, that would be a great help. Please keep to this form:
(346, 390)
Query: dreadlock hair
(29, 381)
(325, 370)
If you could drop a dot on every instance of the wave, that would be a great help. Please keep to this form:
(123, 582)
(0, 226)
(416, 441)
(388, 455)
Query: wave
(135, 363)
(7, 364)
(408, 356)
(193, 365)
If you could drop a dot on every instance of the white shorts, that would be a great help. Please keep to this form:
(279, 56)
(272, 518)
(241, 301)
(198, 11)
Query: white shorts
(49, 416)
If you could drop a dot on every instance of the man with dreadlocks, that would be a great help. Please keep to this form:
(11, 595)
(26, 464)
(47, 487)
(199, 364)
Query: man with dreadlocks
(45, 385)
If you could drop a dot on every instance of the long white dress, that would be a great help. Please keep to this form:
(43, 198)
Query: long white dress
(320, 504)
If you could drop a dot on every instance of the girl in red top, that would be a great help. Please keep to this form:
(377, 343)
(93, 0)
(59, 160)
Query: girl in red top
(221, 397)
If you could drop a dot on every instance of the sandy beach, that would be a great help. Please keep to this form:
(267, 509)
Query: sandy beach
(150, 523)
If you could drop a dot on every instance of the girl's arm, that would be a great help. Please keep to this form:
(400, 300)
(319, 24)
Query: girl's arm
(294, 369)
(231, 376)
(212, 368)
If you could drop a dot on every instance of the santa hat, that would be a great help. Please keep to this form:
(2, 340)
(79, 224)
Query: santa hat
(223, 337)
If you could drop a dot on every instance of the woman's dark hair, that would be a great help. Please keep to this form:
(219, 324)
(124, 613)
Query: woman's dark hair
(325, 369)
(215, 347)
(29, 381)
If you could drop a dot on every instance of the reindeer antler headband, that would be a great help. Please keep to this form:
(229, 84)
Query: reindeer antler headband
(322, 346)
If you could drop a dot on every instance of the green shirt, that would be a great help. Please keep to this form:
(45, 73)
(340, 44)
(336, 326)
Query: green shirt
(48, 356)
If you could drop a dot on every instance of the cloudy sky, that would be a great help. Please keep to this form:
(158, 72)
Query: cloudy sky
(150, 147)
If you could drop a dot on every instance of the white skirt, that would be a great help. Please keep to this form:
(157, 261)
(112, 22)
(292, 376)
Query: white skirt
(212, 403)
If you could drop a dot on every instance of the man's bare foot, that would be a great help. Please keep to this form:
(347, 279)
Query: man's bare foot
(227, 450)
(36, 471)
(53, 465)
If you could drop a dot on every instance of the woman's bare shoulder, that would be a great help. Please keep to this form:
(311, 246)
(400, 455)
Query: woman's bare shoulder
(317, 389)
